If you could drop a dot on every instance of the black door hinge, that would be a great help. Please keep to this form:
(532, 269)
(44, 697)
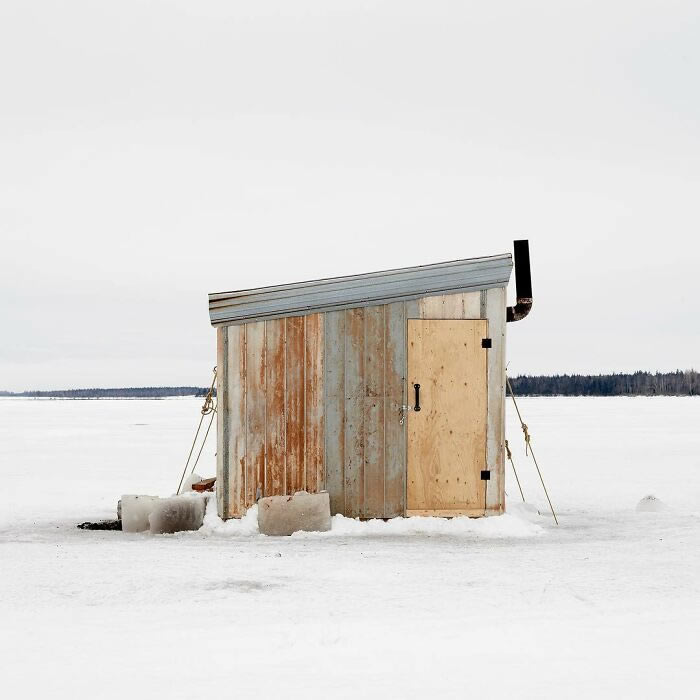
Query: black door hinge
(486, 475)
(486, 343)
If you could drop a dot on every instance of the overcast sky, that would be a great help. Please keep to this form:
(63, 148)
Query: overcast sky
(152, 152)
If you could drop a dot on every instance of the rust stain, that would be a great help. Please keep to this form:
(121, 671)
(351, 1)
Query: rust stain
(295, 418)
(275, 409)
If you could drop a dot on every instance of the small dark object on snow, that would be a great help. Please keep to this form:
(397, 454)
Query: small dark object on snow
(204, 485)
(102, 525)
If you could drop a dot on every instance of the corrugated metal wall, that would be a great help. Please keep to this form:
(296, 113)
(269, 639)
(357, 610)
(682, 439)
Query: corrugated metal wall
(365, 351)
(270, 429)
(313, 402)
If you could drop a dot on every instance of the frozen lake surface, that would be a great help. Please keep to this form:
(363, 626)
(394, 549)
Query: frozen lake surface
(606, 605)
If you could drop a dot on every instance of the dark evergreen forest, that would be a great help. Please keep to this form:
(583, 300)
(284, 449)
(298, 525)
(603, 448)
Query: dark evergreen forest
(677, 383)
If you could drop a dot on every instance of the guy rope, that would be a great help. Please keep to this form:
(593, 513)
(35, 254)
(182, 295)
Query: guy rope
(528, 448)
(207, 409)
(512, 464)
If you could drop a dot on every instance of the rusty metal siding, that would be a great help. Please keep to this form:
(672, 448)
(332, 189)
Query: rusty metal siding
(334, 407)
(354, 411)
(275, 420)
(295, 427)
(313, 404)
(235, 381)
(355, 291)
(270, 415)
(374, 411)
(223, 423)
(255, 411)
(394, 430)
(364, 390)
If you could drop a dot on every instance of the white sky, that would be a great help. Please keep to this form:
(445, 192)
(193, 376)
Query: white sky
(152, 152)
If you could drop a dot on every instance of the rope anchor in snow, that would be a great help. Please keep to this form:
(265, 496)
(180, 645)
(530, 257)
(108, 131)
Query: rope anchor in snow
(207, 408)
(528, 448)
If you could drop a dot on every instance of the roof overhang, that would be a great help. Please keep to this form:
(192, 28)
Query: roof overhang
(369, 289)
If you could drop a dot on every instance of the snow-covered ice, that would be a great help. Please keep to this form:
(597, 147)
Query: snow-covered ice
(606, 605)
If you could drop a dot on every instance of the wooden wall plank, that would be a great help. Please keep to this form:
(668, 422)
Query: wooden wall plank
(275, 424)
(495, 436)
(453, 306)
(465, 305)
(295, 418)
(223, 422)
(374, 412)
(334, 408)
(354, 411)
(255, 412)
(315, 478)
(395, 433)
(432, 307)
(236, 381)
(471, 305)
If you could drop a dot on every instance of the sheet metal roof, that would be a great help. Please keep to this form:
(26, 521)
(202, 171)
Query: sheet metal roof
(369, 289)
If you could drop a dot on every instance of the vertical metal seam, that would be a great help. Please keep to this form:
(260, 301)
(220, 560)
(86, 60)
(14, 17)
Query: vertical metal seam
(384, 402)
(320, 377)
(325, 400)
(264, 479)
(363, 408)
(245, 411)
(404, 372)
(322, 476)
(404, 399)
(304, 480)
(226, 418)
(486, 418)
(284, 406)
(502, 404)
(345, 413)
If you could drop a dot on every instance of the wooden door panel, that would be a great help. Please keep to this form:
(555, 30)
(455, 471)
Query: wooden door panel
(447, 438)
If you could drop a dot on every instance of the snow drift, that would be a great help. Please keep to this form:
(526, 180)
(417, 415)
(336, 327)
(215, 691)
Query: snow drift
(502, 526)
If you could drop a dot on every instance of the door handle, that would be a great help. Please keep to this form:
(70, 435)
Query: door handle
(417, 390)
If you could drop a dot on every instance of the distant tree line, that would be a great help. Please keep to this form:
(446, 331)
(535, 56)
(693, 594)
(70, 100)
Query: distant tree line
(676, 383)
(144, 392)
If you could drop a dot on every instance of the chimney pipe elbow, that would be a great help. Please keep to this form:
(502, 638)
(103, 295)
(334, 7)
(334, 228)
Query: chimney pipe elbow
(523, 282)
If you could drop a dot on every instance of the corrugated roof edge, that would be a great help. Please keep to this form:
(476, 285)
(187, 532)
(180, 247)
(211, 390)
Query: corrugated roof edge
(352, 291)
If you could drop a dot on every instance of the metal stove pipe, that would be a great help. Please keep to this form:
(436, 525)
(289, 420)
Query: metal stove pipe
(523, 282)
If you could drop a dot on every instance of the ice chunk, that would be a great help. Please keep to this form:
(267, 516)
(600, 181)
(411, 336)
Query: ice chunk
(283, 515)
(135, 511)
(650, 504)
(177, 513)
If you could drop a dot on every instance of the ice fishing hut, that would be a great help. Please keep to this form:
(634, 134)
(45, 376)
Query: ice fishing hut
(386, 389)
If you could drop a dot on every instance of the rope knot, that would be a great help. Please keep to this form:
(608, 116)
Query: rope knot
(527, 437)
(208, 406)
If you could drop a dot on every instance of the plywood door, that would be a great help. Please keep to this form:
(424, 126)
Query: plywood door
(447, 437)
